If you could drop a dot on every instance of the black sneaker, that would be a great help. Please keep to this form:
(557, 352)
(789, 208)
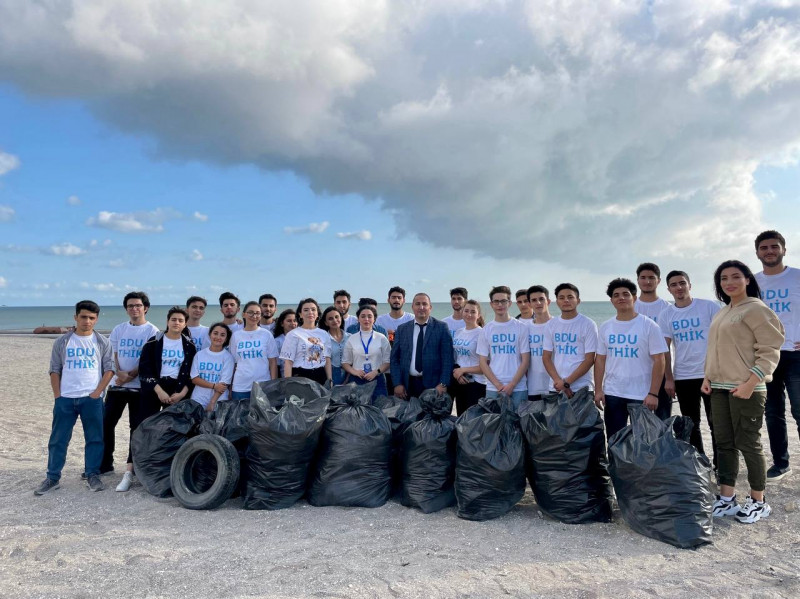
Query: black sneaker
(48, 484)
(776, 473)
(95, 484)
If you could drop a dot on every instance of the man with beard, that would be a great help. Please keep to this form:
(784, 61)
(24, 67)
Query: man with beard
(229, 306)
(341, 299)
(269, 305)
(392, 320)
(458, 297)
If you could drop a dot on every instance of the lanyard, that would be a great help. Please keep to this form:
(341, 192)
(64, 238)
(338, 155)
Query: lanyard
(365, 345)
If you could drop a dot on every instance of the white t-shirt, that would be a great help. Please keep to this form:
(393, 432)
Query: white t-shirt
(539, 382)
(526, 320)
(251, 351)
(781, 293)
(80, 374)
(504, 343)
(651, 309)
(127, 341)
(279, 344)
(171, 357)
(270, 327)
(453, 324)
(380, 350)
(236, 327)
(391, 324)
(306, 348)
(570, 341)
(214, 367)
(350, 320)
(465, 350)
(688, 329)
(629, 347)
(200, 336)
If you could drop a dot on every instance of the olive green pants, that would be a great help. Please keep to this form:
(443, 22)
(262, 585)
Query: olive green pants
(737, 428)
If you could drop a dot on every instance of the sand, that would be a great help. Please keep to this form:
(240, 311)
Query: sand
(75, 543)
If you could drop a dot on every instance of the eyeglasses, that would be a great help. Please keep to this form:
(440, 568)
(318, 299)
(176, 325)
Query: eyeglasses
(134, 306)
(253, 313)
(501, 302)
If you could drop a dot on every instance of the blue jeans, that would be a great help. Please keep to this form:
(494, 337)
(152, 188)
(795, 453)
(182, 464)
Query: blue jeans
(786, 376)
(239, 395)
(338, 375)
(616, 413)
(517, 397)
(66, 411)
(380, 386)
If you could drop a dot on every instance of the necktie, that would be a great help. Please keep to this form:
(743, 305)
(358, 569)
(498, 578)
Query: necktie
(420, 341)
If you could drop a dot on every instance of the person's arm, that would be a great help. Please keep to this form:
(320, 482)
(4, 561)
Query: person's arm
(769, 337)
(328, 369)
(162, 395)
(55, 384)
(104, 381)
(486, 369)
(212, 403)
(581, 369)
(525, 362)
(273, 368)
(651, 399)
(395, 363)
(287, 368)
(599, 374)
(446, 353)
(669, 382)
(550, 368)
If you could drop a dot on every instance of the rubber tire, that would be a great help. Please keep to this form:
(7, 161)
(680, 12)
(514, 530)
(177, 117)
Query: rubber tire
(182, 479)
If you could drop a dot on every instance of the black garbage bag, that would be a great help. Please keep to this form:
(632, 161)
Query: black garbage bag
(401, 413)
(156, 441)
(230, 421)
(490, 460)
(352, 464)
(285, 422)
(429, 455)
(565, 457)
(663, 484)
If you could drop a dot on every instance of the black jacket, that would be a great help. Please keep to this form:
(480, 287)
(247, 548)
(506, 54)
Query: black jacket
(150, 363)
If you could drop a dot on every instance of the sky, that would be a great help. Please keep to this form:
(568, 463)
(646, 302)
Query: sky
(187, 147)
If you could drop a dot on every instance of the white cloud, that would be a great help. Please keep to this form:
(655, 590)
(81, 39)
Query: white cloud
(616, 122)
(309, 228)
(74, 201)
(65, 249)
(8, 162)
(116, 263)
(201, 217)
(196, 256)
(3, 283)
(134, 222)
(7, 213)
(361, 235)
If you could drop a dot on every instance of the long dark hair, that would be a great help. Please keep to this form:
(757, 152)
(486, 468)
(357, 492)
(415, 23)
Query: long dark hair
(308, 300)
(279, 322)
(322, 319)
(753, 290)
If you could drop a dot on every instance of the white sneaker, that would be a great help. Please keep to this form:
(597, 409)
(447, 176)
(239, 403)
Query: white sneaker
(126, 482)
(753, 511)
(724, 507)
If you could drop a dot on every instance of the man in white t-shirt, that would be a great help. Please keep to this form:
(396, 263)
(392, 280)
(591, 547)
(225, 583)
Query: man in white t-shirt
(629, 366)
(780, 290)
(538, 379)
(570, 344)
(396, 315)
(504, 350)
(196, 308)
(269, 305)
(81, 367)
(127, 340)
(685, 326)
(458, 297)
(524, 306)
(229, 306)
(648, 277)
(341, 300)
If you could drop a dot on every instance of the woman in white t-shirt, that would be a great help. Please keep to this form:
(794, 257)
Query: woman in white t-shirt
(307, 349)
(284, 324)
(212, 368)
(331, 323)
(255, 353)
(468, 385)
(367, 354)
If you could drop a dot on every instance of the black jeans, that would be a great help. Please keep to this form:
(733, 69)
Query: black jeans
(689, 399)
(117, 399)
(786, 376)
(664, 409)
(467, 395)
(315, 374)
(616, 413)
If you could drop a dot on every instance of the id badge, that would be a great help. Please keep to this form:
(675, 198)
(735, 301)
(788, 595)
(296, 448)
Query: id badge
(367, 367)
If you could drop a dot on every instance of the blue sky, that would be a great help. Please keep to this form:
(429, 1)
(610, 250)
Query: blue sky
(473, 144)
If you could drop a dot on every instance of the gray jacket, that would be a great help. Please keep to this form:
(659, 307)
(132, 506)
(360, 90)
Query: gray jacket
(60, 353)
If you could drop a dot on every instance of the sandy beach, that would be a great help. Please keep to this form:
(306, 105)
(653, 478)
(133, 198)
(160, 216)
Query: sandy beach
(74, 543)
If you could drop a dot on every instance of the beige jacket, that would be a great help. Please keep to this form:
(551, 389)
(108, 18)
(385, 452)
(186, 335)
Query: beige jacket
(743, 339)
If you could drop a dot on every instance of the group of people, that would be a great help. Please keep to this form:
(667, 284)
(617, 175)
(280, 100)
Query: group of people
(734, 361)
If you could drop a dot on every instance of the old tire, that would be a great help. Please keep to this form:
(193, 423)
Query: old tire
(194, 483)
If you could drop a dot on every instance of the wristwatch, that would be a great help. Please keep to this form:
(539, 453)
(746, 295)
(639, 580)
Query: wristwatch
(566, 385)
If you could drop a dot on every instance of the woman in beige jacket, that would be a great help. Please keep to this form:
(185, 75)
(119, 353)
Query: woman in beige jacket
(744, 344)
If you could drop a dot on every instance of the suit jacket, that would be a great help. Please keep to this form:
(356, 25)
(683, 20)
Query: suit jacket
(437, 354)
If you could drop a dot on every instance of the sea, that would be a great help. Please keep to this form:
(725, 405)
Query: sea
(25, 319)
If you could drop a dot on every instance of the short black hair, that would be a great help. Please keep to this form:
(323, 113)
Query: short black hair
(753, 290)
(87, 305)
(399, 290)
(648, 266)
(222, 325)
(500, 289)
(538, 289)
(621, 282)
(196, 298)
(460, 291)
(339, 293)
(569, 286)
(264, 296)
(520, 293)
(228, 295)
(677, 273)
(136, 295)
(771, 234)
(177, 310)
(367, 301)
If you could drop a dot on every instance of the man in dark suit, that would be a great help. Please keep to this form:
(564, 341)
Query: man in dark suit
(422, 354)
